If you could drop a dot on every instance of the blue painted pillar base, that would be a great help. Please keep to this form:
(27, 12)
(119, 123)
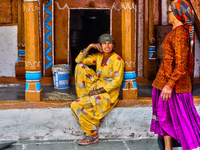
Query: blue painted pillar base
(129, 85)
(33, 89)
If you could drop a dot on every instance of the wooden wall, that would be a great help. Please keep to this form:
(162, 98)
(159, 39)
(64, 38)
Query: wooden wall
(8, 15)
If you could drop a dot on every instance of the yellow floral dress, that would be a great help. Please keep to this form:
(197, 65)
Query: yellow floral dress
(90, 110)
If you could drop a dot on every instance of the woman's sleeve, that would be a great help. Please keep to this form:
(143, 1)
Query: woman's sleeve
(86, 59)
(181, 48)
(118, 69)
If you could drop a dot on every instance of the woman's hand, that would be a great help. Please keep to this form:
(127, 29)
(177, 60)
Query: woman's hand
(94, 45)
(93, 92)
(166, 93)
(96, 92)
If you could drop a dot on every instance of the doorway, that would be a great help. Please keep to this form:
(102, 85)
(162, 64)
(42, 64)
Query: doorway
(85, 27)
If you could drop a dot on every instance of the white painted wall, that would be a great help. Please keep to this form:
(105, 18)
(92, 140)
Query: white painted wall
(8, 50)
(197, 57)
(164, 10)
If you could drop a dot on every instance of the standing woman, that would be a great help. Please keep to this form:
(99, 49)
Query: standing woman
(174, 113)
(97, 92)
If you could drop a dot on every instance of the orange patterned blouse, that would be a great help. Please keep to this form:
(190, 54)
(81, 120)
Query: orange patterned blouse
(173, 70)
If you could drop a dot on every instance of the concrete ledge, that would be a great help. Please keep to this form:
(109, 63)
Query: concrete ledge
(60, 124)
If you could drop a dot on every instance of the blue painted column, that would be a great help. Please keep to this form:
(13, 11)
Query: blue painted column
(33, 90)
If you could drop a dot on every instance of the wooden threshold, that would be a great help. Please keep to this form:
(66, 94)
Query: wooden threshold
(22, 104)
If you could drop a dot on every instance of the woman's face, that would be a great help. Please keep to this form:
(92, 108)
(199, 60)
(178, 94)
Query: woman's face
(171, 15)
(107, 47)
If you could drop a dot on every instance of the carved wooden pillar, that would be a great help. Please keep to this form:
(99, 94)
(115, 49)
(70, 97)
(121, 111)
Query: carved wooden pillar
(33, 90)
(152, 50)
(128, 49)
(20, 64)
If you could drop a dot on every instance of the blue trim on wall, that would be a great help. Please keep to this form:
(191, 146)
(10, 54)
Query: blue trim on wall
(48, 34)
(33, 76)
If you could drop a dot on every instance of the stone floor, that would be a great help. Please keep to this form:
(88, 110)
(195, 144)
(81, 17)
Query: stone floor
(142, 144)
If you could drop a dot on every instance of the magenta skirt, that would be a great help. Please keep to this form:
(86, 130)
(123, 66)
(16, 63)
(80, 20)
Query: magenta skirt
(176, 117)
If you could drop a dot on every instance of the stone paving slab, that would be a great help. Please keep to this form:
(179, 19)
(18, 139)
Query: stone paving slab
(121, 144)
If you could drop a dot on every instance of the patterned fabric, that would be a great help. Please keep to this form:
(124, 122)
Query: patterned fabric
(173, 69)
(183, 12)
(176, 117)
(89, 111)
(105, 38)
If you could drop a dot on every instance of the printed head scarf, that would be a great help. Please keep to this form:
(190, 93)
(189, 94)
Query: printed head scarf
(106, 38)
(184, 12)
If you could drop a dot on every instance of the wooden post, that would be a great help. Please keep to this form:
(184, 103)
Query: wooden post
(152, 50)
(20, 64)
(33, 90)
(128, 49)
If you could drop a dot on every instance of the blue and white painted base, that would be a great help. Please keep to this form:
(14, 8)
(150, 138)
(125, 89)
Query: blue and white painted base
(33, 78)
(152, 50)
(129, 78)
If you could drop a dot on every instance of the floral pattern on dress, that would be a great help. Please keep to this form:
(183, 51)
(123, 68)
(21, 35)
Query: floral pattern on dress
(92, 109)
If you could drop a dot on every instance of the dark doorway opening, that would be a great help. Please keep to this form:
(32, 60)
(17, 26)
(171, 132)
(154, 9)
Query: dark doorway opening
(85, 28)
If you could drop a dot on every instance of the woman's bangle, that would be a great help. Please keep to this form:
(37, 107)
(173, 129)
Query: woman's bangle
(98, 91)
(85, 50)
